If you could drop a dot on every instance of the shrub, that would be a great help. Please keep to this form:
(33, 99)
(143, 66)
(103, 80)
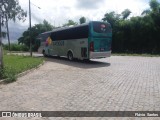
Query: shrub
(16, 47)
(1, 74)
(9, 74)
(13, 65)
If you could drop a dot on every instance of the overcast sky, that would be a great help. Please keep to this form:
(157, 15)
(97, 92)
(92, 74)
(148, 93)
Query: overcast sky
(58, 12)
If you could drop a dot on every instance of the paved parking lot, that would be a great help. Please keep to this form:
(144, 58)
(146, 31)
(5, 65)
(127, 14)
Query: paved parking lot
(118, 83)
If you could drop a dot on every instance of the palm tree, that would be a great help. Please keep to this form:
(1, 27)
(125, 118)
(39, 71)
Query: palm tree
(155, 14)
(126, 13)
(154, 5)
(146, 12)
(111, 17)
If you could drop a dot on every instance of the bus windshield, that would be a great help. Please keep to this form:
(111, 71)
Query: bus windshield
(100, 27)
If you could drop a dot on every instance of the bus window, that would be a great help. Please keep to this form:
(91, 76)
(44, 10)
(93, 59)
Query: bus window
(101, 27)
(71, 33)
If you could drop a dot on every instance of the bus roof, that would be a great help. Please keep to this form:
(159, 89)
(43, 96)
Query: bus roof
(69, 27)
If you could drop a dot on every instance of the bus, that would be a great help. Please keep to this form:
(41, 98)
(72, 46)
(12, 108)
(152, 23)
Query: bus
(86, 41)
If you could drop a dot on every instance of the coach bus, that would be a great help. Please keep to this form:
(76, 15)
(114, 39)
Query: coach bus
(86, 41)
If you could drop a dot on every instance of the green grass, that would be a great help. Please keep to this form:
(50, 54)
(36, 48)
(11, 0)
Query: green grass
(14, 65)
(15, 47)
(133, 54)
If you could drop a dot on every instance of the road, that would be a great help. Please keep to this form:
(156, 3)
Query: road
(118, 83)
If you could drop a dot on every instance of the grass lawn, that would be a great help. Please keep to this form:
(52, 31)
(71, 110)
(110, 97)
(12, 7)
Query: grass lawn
(14, 64)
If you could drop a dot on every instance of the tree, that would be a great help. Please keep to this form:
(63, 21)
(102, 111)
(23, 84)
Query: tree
(138, 34)
(155, 6)
(111, 17)
(155, 14)
(146, 12)
(2, 34)
(82, 20)
(35, 31)
(11, 11)
(1, 24)
(126, 13)
(70, 22)
(1, 52)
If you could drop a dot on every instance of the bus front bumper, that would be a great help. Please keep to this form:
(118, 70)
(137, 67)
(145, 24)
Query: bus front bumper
(94, 55)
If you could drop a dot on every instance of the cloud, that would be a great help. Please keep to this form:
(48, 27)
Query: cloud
(134, 5)
(58, 12)
(15, 31)
(89, 4)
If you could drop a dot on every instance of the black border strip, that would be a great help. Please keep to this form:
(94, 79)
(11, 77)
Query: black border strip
(81, 113)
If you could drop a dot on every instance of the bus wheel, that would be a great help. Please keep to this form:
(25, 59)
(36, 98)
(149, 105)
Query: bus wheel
(86, 60)
(44, 54)
(70, 55)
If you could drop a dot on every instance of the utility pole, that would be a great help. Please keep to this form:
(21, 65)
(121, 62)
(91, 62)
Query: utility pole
(30, 28)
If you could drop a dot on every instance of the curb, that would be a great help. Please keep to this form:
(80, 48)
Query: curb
(25, 72)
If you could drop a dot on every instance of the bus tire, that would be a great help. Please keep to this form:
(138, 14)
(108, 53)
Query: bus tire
(86, 60)
(70, 55)
(44, 54)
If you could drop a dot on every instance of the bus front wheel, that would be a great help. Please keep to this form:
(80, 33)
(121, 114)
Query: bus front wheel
(70, 55)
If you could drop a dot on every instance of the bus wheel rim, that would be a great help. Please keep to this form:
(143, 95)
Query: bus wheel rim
(70, 56)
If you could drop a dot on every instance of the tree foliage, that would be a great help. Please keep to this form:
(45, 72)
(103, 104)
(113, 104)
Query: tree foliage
(146, 12)
(10, 10)
(82, 20)
(126, 13)
(69, 23)
(35, 31)
(111, 17)
(138, 34)
(154, 5)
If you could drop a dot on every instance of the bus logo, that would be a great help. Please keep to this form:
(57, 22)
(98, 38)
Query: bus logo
(103, 26)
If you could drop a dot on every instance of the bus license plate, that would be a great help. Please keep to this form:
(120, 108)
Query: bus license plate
(102, 49)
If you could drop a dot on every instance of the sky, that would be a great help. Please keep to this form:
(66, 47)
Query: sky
(58, 12)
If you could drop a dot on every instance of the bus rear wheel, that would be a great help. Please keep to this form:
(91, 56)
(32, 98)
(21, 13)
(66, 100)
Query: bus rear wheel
(44, 54)
(70, 55)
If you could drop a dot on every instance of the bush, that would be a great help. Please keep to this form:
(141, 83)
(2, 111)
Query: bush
(9, 74)
(1, 73)
(16, 47)
(13, 65)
